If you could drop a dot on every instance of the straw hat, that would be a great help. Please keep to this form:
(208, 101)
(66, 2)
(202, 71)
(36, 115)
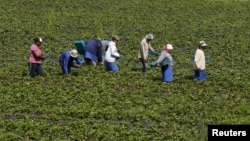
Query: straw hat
(73, 53)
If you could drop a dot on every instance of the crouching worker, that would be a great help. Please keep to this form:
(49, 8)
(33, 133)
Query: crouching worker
(166, 62)
(93, 52)
(69, 59)
(35, 58)
(111, 55)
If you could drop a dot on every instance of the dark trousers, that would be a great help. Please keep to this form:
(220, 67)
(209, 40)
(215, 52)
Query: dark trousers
(144, 65)
(34, 69)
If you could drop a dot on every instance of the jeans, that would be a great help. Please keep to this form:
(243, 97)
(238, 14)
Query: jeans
(111, 66)
(34, 69)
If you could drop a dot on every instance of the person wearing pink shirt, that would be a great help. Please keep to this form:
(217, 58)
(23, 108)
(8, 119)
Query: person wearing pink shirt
(35, 58)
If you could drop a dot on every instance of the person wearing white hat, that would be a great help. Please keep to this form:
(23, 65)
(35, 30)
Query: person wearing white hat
(145, 46)
(166, 68)
(199, 62)
(111, 55)
(68, 59)
(35, 58)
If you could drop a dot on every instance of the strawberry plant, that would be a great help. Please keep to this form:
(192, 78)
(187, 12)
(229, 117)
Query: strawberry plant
(92, 104)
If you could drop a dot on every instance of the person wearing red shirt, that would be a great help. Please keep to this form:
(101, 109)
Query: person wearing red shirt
(35, 58)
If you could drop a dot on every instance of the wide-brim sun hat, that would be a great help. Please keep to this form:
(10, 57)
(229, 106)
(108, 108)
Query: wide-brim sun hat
(73, 53)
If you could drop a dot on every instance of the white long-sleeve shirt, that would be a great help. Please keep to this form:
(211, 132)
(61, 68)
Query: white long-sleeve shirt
(111, 53)
(165, 55)
(199, 60)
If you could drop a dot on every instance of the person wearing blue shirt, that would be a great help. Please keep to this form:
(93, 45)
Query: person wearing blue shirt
(68, 59)
(93, 52)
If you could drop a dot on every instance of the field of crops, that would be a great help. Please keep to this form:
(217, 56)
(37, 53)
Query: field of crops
(96, 105)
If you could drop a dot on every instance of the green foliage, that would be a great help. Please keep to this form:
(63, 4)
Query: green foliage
(51, 17)
(96, 105)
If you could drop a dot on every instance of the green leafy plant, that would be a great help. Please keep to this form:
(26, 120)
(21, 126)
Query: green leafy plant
(93, 104)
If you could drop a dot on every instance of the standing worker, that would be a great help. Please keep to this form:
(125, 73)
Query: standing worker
(200, 62)
(93, 52)
(69, 59)
(111, 55)
(35, 58)
(166, 69)
(145, 46)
